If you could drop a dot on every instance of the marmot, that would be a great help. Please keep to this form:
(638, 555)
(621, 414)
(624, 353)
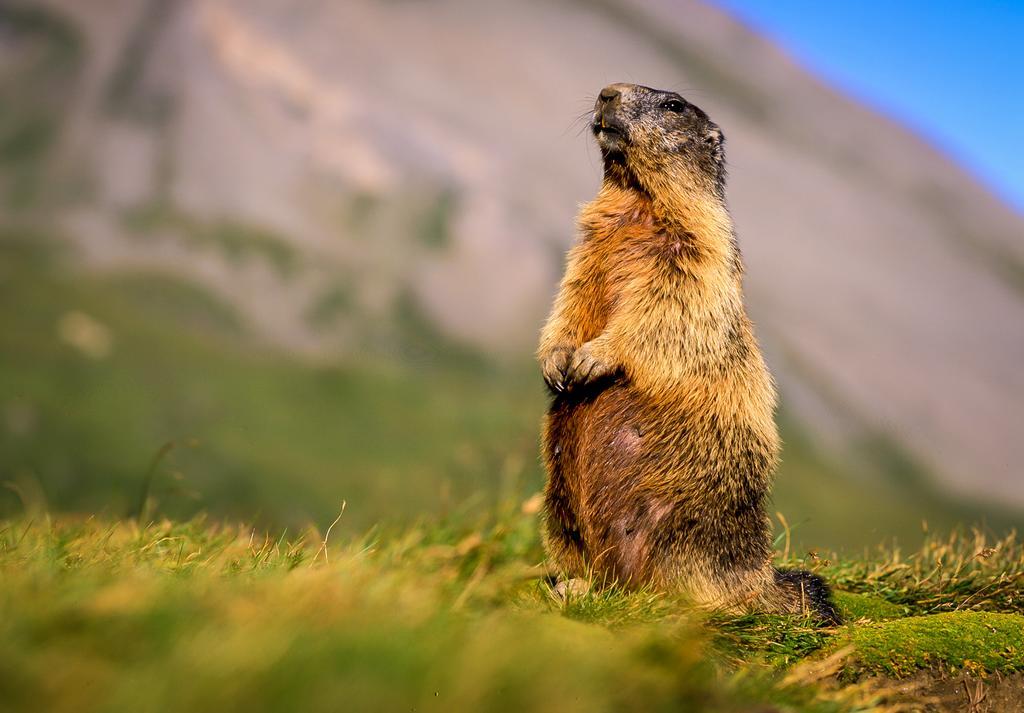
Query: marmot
(660, 443)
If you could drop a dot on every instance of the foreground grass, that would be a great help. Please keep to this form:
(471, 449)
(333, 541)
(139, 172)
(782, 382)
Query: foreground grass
(109, 615)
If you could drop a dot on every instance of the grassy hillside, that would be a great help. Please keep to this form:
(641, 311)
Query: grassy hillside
(456, 615)
(112, 381)
(131, 391)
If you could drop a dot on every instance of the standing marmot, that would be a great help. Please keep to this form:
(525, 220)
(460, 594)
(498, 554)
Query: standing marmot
(661, 443)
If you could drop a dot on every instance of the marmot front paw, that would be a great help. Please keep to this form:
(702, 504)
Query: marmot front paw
(554, 365)
(588, 365)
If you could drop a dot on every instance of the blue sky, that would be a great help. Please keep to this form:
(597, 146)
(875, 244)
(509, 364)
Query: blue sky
(953, 71)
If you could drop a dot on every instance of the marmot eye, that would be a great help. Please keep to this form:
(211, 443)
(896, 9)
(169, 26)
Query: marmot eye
(674, 105)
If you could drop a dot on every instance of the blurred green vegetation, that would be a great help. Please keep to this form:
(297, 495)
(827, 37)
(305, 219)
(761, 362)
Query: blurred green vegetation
(237, 241)
(36, 80)
(332, 303)
(435, 226)
(100, 372)
(103, 373)
(456, 614)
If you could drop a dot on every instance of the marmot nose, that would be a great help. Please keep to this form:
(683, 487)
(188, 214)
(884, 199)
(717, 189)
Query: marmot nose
(609, 93)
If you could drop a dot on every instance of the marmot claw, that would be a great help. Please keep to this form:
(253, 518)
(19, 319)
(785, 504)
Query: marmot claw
(554, 365)
(587, 366)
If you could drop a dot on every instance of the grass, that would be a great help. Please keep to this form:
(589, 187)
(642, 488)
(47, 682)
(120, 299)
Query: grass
(450, 614)
(968, 569)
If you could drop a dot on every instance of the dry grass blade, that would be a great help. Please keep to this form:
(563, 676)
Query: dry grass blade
(327, 536)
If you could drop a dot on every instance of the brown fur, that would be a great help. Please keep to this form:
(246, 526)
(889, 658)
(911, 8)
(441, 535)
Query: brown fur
(660, 444)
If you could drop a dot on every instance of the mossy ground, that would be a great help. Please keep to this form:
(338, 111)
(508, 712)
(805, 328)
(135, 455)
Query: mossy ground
(857, 607)
(969, 641)
(453, 615)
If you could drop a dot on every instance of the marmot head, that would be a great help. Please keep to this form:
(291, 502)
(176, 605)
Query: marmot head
(657, 139)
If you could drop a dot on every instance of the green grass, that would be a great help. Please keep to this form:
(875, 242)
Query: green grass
(968, 569)
(451, 614)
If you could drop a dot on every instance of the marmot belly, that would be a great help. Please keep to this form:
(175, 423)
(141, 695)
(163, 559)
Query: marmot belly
(644, 491)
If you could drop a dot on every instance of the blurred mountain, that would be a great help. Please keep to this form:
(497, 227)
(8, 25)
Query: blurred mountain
(339, 171)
